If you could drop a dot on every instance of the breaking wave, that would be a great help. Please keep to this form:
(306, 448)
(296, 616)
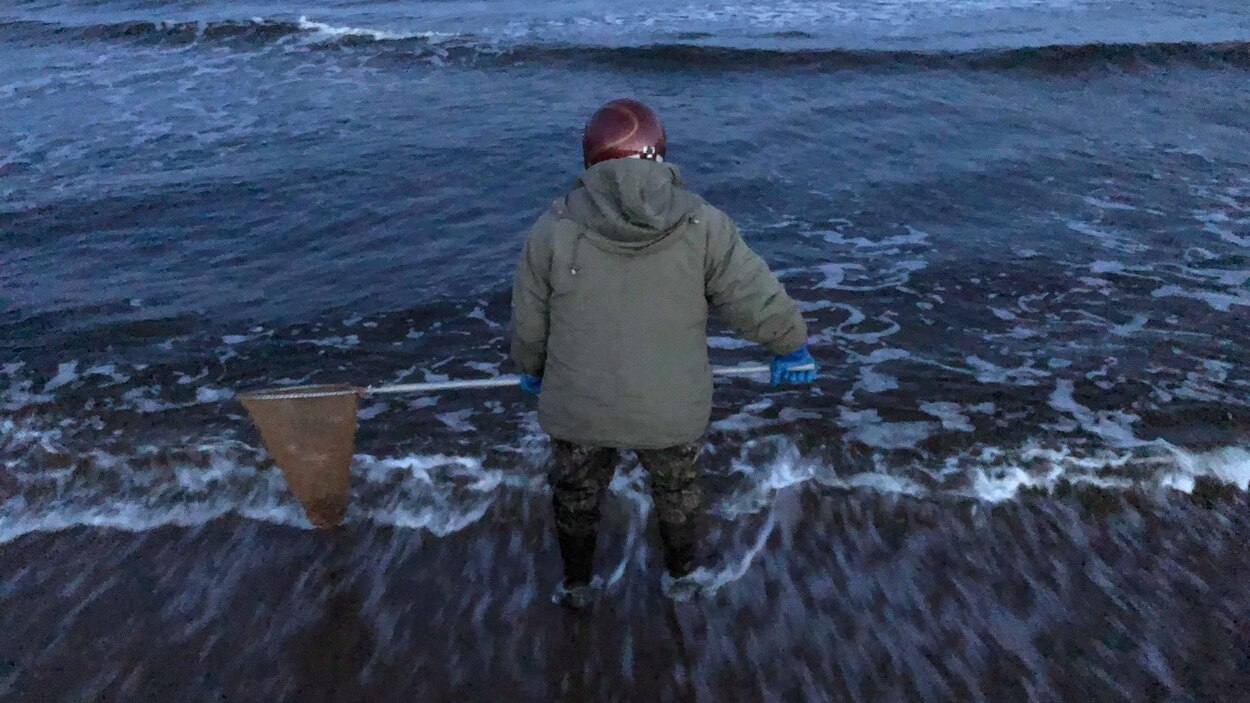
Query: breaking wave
(470, 49)
(1043, 59)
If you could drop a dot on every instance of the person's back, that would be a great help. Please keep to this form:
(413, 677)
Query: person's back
(610, 308)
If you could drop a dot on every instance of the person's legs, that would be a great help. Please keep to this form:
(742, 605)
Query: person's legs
(578, 477)
(674, 474)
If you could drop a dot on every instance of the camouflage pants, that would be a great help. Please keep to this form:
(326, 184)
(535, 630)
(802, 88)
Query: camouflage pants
(578, 479)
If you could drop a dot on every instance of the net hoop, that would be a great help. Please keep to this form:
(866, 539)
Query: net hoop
(300, 392)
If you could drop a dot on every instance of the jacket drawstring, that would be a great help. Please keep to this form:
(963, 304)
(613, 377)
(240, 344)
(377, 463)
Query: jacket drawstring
(577, 243)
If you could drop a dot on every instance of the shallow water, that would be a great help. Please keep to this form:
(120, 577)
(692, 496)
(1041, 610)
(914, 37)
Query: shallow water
(1020, 230)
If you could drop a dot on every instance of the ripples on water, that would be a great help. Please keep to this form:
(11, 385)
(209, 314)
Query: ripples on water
(1019, 231)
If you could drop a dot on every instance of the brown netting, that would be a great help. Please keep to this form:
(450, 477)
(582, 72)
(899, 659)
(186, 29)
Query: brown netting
(310, 432)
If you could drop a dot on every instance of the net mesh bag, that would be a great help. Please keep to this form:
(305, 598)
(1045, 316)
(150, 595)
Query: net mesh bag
(310, 432)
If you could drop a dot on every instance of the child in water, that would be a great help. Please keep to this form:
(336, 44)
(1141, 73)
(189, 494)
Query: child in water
(609, 326)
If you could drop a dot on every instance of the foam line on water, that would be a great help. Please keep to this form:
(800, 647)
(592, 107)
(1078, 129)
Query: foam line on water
(630, 486)
(1230, 465)
(991, 474)
(152, 486)
(713, 579)
(1114, 427)
(47, 487)
(329, 31)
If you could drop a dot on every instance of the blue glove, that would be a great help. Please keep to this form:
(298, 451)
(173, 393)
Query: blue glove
(531, 384)
(784, 367)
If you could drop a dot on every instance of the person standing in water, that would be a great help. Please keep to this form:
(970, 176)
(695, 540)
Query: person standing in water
(610, 305)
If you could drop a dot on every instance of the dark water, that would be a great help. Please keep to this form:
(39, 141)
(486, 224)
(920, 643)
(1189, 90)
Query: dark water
(1020, 230)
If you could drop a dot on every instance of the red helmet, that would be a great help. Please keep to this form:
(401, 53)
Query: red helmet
(620, 129)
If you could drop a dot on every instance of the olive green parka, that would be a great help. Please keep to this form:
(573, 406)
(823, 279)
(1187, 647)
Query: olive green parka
(610, 306)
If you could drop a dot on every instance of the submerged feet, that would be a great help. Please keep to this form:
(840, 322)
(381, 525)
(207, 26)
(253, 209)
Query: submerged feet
(579, 597)
(582, 596)
(685, 587)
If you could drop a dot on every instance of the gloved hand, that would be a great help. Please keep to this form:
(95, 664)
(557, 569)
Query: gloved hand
(531, 384)
(784, 367)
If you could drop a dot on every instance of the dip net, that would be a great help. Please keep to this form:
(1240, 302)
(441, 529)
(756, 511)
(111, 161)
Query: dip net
(310, 431)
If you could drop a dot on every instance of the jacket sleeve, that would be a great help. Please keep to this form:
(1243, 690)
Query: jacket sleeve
(742, 289)
(531, 302)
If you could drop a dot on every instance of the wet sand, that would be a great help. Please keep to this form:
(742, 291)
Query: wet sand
(1089, 595)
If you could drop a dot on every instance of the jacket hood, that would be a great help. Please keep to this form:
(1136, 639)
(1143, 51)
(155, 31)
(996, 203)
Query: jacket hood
(631, 204)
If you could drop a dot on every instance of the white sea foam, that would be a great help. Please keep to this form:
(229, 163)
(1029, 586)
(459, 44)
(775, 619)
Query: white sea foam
(860, 278)
(1107, 204)
(479, 313)
(66, 373)
(1219, 301)
(1101, 266)
(877, 482)
(372, 410)
(789, 469)
(322, 30)
(994, 474)
(1003, 475)
(873, 381)
(870, 379)
(1108, 238)
(950, 414)
(1004, 484)
(1113, 426)
(458, 420)
(850, 329)
(437, 493)
(732, 567)
(887, 16)
(1230, 465)
(107, 370)
(988, 372)
(631, 486)
(208, 394)
(442, 494)
(890, 243)
(141, 498)
(337, 342)
(487, 368)
(1230, 217)
(866, 426)
(146, 399)
(745, 419)
(20, 394)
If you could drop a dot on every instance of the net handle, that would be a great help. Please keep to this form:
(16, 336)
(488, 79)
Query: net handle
(505, 381)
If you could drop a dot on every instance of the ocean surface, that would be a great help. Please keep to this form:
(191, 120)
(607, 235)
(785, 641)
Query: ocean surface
(1019, 229)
